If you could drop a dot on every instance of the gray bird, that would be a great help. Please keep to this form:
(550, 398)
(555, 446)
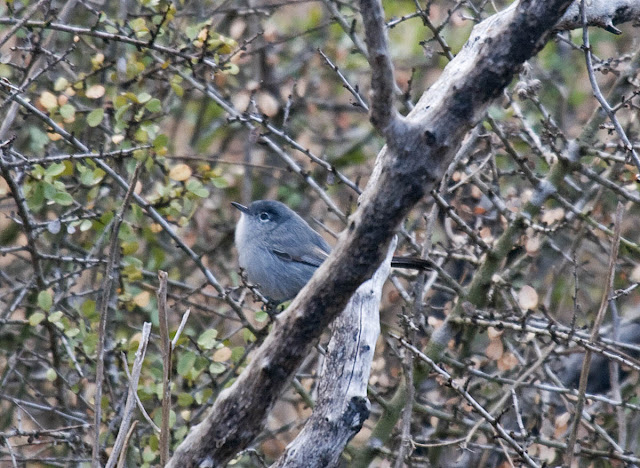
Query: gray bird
(280, 251)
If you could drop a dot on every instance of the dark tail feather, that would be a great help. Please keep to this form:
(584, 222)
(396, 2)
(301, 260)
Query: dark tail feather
(412, 263)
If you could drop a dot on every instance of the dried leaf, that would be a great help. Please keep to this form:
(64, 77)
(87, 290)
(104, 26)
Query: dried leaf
(551, 216)
(528, 298)
(95, 92)
(142, 299)
(507, 362)
(268, 104)
(221, 355)
(532, 246)
(495, 350)
(180, 172)
(561, 424)
(48, 100)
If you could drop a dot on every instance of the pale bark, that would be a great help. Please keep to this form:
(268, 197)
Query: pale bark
(342, 405)
(419, 148)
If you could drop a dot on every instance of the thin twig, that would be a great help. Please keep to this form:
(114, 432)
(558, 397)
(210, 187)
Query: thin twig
(598, 94)
(122, 460)
(460, 389)
(183, 323)
(110, 278)
(141, 407)
(595, 331)
(165, 346)
(123, 432)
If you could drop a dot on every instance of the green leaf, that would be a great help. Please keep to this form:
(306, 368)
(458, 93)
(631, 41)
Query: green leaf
(195, 186)
(45, 300)
(68, 168)
(51, 374)
(85, 225)
(133, 268)
(179, 90)
(91, 177)
(120, 112)
(56, 316)
(185, 399)
(203, 396)
(67, 111)
(54, 170)
(149, 455)
(94, 118)
(154, 105)
(248, 336)
(185, 363)
(36, 318)
(138, 24)
(37, 139)
(36, 197)
(141, 135)
(160, 141)
(220, 182)
(63, 198)
(217, 368)
(236, 353)
(60, 84)
(90, 343)
(208, 339)
(120, 100)
(143, 97)
(88, 309)
(261, 316)
(129, 248)
(192, 31)
(49, 190)
(231, 69)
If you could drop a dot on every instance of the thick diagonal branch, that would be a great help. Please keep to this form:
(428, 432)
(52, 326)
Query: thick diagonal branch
(413, 161)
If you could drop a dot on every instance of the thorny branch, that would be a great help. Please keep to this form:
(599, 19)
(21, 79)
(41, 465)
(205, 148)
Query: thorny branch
(524, 211)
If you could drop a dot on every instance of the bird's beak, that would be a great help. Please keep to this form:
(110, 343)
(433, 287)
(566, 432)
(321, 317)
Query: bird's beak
(242, 208)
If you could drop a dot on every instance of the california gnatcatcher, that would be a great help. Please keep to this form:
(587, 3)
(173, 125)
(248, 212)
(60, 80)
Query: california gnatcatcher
(280, 251)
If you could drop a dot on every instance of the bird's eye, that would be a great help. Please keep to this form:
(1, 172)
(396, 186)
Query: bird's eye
(264, 217)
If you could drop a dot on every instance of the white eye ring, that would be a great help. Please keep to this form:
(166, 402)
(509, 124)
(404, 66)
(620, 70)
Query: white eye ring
(264, 217)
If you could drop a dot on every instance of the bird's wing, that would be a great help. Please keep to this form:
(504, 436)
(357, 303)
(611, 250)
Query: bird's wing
(314, 258)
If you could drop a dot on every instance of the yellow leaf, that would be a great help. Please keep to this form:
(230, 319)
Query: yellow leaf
(180, 172)
(135, 339)
(48, 100)
(97, 60)
(142, 299)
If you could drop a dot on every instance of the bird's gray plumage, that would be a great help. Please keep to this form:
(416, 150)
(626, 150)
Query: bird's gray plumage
(277, 248)
(280, 251)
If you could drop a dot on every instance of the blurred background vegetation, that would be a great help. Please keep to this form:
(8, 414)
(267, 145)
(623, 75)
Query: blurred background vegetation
(221, 101)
